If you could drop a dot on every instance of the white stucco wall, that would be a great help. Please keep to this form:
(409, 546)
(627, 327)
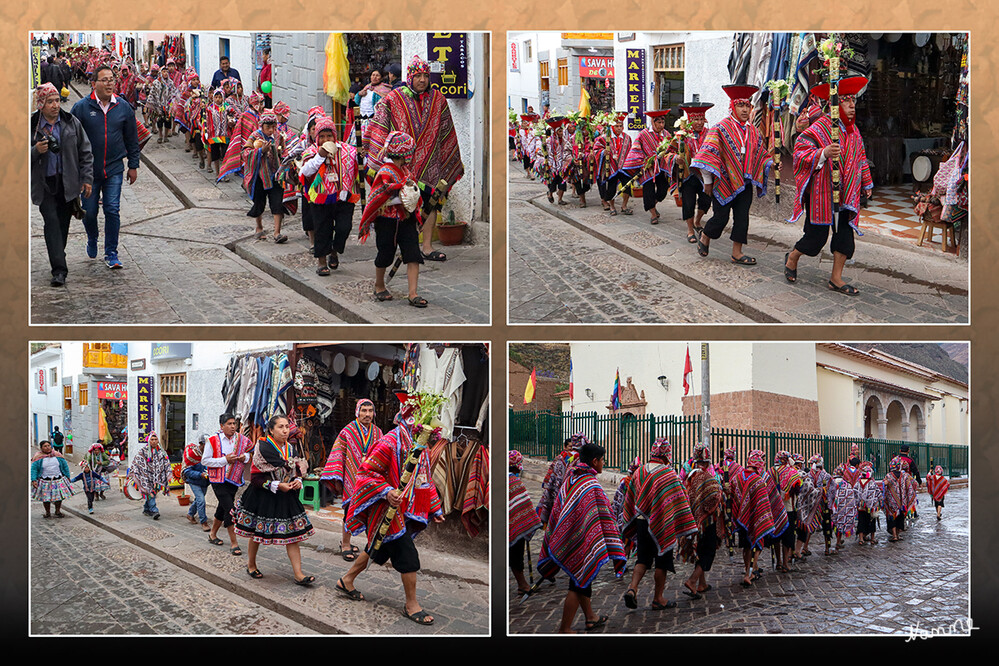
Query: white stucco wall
(840, 411)
(240, 56)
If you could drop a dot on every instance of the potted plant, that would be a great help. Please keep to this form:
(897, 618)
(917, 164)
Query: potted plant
(451, 231)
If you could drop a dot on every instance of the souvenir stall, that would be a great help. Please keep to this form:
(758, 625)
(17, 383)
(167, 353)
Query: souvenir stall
(329, 379)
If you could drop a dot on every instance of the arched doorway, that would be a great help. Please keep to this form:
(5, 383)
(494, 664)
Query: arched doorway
(916, 417)
(895, 415)
(873, 416)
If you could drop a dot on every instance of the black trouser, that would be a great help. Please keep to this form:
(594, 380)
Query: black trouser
(517, 555)
(391, 233)
(527, 163)
(787, 539)
(815, 236)
(654, 190)
(647, 551)
(218, 151)
(332, 223)
(581, 591)
(865, 523)
(608, 188)
(225, 493)
(707, 545)
(581, 186)
(261, 197)
(307, 224)
(90, 497)
(402, 551)
(739, 210)
(556, 182)
(691, 195)
(56, 213)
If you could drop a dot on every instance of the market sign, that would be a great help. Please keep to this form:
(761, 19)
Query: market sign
(600, 67)
(165, 351)
(145, 406)
(447, 54)
(112, 391)
(634, 60)
(514, 60)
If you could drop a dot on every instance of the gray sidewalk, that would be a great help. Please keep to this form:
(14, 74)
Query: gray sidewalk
(898, 282)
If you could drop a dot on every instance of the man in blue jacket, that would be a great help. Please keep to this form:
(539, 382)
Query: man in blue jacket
(109, 122)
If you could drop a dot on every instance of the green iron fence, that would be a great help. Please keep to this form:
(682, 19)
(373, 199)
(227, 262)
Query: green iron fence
(625, 437)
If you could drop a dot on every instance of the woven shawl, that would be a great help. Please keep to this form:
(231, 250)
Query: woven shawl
(705, 492)
(150, 469)
(475, 506)
(348, 452)
(338, 173)
(854, 174)
(581, 535)
(256, 164)
(615, 159)
(559, 154)
(216, 127)
(426, 118)
(899, 494)
(845, 500)
(937, 485)
(643, 148)
(248, 123)
(751, 506)
(655, 501)
(777, 509)
(869, 493)
(553, 482)
(524, 521)
(719, 156)
(809, 504)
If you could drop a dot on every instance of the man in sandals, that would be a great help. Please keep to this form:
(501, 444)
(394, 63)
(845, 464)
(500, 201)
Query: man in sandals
(814, 154)
(652, 165)
(377, 487)
(751, 511)
(349, 451)
(656, 514)
(732, 160)
(609, 154)
(224, 456)
(421, 112)
(694, 201)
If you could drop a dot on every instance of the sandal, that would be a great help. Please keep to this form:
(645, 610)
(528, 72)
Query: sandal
(596, 624)
(691, 238)
(280, 238)
(255, 573)
(215, 541)
(669, 604)
(702, 249)
(551, 199)
(435, 255)
(260, 235)
(349, 555)
(418, 302)
(707, 589)
(323, 270)
(308, 580)
(353, 595)
(847, 289)
(654, 220)
(790, 274)
(235, 551)
(613, 213)
(745, 583)
(630, 598)
(744, 260)
(383, 295)
(419, 617)
(626, 211)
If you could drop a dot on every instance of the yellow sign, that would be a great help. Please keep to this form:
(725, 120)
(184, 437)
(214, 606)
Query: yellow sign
(588, 35)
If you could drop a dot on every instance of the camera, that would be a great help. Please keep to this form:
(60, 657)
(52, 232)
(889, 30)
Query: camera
(50, 139)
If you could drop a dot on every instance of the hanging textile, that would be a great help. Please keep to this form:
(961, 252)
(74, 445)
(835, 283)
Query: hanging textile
(475, 508)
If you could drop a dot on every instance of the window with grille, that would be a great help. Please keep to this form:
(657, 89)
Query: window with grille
(84, 395)
(668, 58)
(667, 73)
(544, 74)
(563, 71)
(173, 384)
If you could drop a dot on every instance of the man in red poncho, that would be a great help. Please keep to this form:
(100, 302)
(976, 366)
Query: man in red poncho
(656, 514)
(751, 512)
(814, 153)
(377, 487)
(694, 201)
(421, 112)
(732, 160)
(246, 125)
(651, 162)
(609, 153)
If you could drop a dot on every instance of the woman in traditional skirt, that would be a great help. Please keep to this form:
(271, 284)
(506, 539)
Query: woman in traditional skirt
(269, 512)
(50, 479)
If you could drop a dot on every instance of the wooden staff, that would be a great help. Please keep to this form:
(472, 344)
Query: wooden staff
(834, 112)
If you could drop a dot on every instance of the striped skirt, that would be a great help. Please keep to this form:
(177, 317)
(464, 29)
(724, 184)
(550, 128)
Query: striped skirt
(52, 490)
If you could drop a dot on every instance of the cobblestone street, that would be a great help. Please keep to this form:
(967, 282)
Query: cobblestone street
(863, 590)
(574, 265)
(118, 572)
(190, 257)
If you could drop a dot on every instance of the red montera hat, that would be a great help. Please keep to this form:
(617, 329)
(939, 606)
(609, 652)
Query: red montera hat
(848, 86)
(556, 122)
(695, 108)
(620, 116)
(735, 91)
(529, 117)
(657, 114)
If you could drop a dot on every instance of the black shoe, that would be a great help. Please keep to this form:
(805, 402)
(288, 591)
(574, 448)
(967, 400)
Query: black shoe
(58, 279)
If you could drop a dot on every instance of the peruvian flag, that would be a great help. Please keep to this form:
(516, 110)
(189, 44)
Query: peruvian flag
(687, 371)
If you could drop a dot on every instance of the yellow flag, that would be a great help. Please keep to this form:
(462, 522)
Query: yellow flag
(336, 75)
(532, 384)
(584, 102)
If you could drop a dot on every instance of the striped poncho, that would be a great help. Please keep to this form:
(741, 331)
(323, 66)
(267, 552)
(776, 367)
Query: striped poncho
(937, 485)
(751, 506)
(581, 535)
(559, 160)
(854, 173)
(235, 154)
(475, 505)
(381, 472)
(899, 494)
(524, 521)
(425, 117)
(655, 501)
(609, 154)
(257, 163)
(336, 179)
(777, 509)
(643, 149)
(348, 452)
(553, 482)
(704, 490)
(731, 153)
(809, 505)
(150, 470)
(845, 501)
(691, 144)
(869, 495)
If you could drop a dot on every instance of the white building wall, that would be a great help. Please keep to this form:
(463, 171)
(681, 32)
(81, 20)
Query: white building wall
(49, 403)
(786, 368)
(526, 83)
(240, 55)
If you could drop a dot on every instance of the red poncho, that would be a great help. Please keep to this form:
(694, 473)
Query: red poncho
(610, 161)
(937, 485)
(348, 452)
(751, 506)
(642, 150)
(524, 521)
(655, 501)
(719, 155)
(248, 123)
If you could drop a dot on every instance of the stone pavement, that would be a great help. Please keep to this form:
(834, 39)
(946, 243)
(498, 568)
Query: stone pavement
(190, 257)
(898, 283)
(860, 590)
(454, 589)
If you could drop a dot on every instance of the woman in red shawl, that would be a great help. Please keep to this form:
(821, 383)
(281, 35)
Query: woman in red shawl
(938, 485)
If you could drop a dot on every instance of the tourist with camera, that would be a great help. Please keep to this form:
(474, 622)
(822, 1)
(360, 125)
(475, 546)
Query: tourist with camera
(61, 169)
